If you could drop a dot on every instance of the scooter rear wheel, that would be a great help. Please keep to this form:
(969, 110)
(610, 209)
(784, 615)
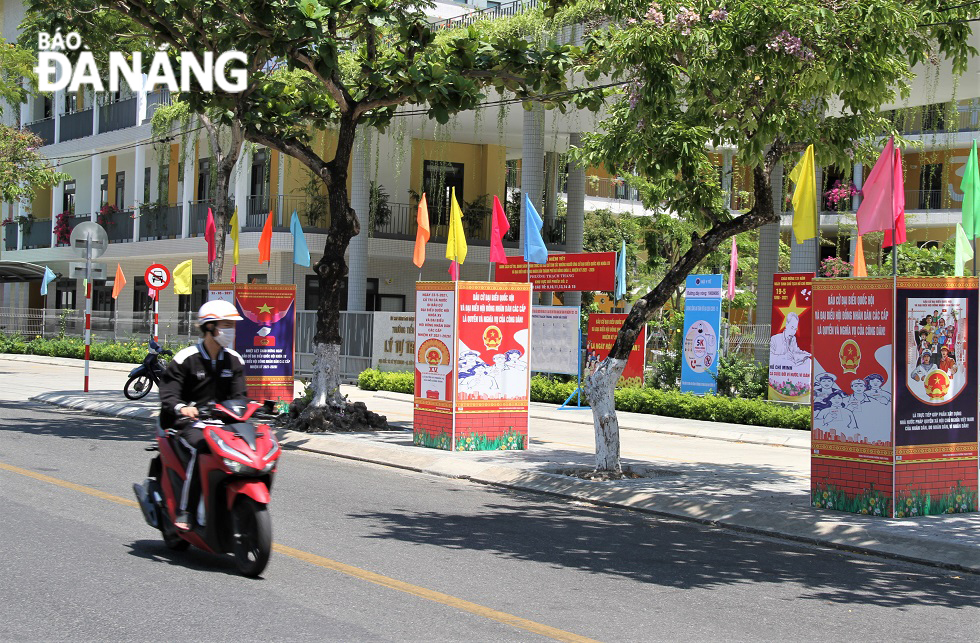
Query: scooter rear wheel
(137, 387)
(252, 537)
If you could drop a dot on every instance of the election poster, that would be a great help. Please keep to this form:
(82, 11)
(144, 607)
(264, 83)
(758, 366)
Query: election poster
(702, 333)
(557, 338)
(851, 466)
(789, 345)
(579, 272)
(393, 342)
(265, 338)
(435, 372)
(936, 397)
(601, 334)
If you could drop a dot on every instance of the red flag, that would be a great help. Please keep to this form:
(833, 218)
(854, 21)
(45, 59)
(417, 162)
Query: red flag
(898, 201)
(733, 266)
(209, 233)
(422, 234)
(234, 273)
(265, 241)
(498, 229)
(454, 270)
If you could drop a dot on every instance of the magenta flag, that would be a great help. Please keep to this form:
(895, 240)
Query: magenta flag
(454, 270)
(731, 271)
(899, 204)
(878, 199)
(498, 229)
(234, 273)
(209, 233)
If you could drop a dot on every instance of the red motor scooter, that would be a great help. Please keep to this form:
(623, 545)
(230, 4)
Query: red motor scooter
(236, 478)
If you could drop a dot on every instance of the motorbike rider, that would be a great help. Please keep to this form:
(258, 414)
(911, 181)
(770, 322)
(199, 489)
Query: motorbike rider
(209, 372)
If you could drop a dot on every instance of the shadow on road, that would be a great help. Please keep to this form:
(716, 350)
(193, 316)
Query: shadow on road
(192, 558)
(42, 419)
(668, 553)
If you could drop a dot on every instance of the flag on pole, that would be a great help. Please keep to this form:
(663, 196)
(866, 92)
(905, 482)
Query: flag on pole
(183, 275)
(860, 268)
(422, 234)
(234, 236)
(898, 202)
(234, 274)
(732, 267)
(804, 175)
(119, 282)
(454, 270)
(499, 227)
(153, 293)
(970, 185)
(534, 249)
(456, 245)
(48, 277)
(265, 241)
(210, 231)
(964, 250)
(879, 201)
(301, 252)
(620, 291)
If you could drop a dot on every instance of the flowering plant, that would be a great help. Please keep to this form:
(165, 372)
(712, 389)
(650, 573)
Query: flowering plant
(62, 228)
(835, 267)
(839, 196)
(105, 215)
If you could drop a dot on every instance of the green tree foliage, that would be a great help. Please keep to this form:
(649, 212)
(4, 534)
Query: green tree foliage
(23, 170)
(762, 76)
(16, 64)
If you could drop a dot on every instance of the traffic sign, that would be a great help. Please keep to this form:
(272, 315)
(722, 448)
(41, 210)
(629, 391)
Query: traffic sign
(89, 240)
(157, 277)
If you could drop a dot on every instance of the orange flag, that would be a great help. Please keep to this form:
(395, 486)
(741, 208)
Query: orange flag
(120, 281)
(422, 235)
(860, 269)
(265, 241)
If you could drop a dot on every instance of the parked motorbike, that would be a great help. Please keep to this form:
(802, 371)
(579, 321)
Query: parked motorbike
(143, 377)
(236, 479)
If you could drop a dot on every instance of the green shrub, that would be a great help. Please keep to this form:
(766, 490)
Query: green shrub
(740, 377)
(712, 408)
(131, 351)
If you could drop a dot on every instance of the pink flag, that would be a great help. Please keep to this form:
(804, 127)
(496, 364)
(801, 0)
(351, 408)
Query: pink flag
(153, 293)
(234, 274)
(899, 204)
(731, 271)
(879, 202)
(454, 270)
(209, 233)
(498, 229)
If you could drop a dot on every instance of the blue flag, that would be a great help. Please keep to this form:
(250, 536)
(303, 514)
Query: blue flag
(301, 253)
(49, 276)
(534, 249)
(621, 273)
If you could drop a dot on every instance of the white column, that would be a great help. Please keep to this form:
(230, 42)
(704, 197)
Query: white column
(141, 103)
(242, 175)
(768, 264)
(138, 187)
(27, 111)
(187, 155)
(59, 106)
(57, 200)
(21, 212)
(575, 221)
(95, 113)
(532, 160)
(95, 200)
(360, 201)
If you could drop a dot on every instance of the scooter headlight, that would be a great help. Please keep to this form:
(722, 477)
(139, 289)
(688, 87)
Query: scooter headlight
(235, 465)
(268, 466)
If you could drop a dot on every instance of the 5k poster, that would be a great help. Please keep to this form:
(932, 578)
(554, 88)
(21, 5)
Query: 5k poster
(702, 334)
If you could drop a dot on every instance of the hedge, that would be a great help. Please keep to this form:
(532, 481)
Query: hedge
(713, 408)
(132, 351)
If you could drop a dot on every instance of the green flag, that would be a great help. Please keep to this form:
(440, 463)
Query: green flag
(964, 250)
(970, 185)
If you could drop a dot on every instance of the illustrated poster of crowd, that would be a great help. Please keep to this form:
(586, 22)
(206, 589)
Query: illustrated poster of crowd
(936, 341)
(494, 374)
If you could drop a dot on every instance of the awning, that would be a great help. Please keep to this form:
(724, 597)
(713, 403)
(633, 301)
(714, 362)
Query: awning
(18, 271)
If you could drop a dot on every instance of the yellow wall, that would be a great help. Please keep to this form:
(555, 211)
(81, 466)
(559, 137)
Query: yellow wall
(951, 177)
(41, 206)
(174, 167)
(112, 182)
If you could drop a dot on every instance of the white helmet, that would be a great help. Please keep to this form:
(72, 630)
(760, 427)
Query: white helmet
(217, 310)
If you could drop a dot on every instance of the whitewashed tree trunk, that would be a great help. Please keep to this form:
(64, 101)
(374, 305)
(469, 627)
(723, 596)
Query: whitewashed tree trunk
(600, 390)
(326, 374)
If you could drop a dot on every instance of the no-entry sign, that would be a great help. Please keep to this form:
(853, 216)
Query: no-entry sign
(157, 277)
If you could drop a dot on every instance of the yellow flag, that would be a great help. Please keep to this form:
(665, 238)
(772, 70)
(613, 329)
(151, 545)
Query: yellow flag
(183, 274)
(456, 246)
(860, 268)
(234, 233)
(804, 175)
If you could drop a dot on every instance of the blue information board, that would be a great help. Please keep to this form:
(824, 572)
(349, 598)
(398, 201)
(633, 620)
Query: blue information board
(702, 334)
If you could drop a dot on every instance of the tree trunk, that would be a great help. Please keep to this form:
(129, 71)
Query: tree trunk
(221, 216)
(600, 386)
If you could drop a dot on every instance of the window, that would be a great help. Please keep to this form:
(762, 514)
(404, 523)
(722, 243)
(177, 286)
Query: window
(103, 305)
(933, 119)
(311, 293)
(105, 189)
(66, 290)
(71, 102)
(257, 279)
(203, 179)
(120, 189)
(258, 196)
(48, 110)
(147, 175)
(391, 303)
(142, 306)
(930, 186)
(438, 180)
(68, 200)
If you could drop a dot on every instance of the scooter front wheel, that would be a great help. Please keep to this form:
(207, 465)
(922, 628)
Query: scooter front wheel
(252, 537)
(137, 387)
(169, 532)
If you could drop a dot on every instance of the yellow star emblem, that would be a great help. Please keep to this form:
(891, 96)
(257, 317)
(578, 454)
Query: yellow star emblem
(265, 308)
(790, 308)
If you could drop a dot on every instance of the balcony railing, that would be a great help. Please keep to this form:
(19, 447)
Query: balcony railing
(257, 209)
(38, 234)
(73, 221)
(44, 130)
(160, 221)
(492, 13)
(118, 225)
(117, 115)
(199, 216)
(155, 100)
(76, 125)
(402, 224)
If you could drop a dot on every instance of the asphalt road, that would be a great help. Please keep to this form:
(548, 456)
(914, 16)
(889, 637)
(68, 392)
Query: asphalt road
(375, 554)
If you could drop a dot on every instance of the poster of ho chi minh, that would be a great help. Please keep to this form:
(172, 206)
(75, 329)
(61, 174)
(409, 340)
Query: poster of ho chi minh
(789, 344)
(852, 449)
(936, 396)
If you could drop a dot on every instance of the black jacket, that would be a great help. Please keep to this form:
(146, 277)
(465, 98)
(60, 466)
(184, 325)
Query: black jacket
(192, 377)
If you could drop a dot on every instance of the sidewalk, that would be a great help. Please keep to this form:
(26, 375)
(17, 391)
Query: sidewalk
(745, 478)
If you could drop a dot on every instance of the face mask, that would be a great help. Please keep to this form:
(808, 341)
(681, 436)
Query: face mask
(225, 337)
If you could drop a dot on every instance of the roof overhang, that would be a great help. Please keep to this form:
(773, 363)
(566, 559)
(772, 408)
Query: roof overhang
(19, 271)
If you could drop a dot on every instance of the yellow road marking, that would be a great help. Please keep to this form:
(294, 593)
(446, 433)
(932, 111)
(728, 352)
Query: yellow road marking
(350, 570)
